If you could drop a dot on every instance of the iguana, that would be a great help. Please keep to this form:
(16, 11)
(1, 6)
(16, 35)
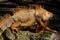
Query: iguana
(26, 17)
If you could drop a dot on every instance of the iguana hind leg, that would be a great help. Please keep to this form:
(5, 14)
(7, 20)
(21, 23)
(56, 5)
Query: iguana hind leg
(15, 26)
(14, 29)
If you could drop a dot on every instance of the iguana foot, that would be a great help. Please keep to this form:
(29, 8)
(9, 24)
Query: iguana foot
(53, 31)
(41, 31)
(15, 29)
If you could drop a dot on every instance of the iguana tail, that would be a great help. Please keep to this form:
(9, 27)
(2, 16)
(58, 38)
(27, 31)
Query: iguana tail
(5, 22)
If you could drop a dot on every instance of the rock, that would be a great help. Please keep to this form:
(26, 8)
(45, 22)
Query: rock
(1, 38)
(26, 35)
(22, 35)
(7, 34)
(55, 36)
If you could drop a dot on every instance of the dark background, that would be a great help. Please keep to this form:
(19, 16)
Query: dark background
(50, 5)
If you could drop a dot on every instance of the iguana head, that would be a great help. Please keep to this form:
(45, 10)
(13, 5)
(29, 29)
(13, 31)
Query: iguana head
(47, 15)
(42, 13)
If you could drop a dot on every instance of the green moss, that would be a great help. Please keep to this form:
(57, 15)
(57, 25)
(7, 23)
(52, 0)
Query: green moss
(46, 34)
(1, 38)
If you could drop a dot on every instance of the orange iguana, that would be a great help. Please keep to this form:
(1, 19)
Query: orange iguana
(26, 17)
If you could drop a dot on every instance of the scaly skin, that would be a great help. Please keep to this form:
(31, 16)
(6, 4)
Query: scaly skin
(25, 17)
(43, 15)
(5, 22)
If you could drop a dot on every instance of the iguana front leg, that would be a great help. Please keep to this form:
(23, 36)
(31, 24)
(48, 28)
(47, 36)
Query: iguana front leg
(15, 26)
(38, 29)
(45, 26)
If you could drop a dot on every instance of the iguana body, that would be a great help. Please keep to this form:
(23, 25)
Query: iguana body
(25, 17)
